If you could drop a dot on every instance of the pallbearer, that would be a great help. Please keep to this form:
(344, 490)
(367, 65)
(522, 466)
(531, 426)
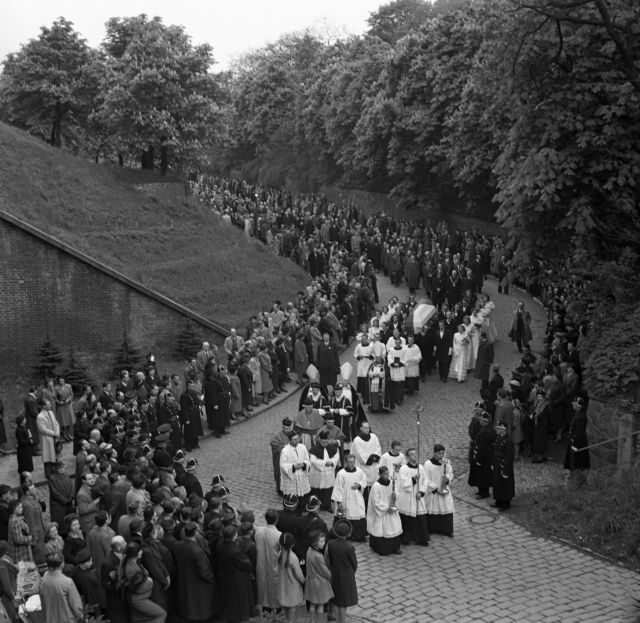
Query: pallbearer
(383, 520)
(439, 501)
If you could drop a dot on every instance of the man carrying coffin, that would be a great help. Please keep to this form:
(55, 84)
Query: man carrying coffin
(383, 520)
(412, 488)
(348, 497)
(324, 458)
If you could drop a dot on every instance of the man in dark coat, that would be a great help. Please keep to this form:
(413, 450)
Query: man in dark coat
(328, 362)
(425, 343)
(495, 383)
(481, 459)
(197, 589)
(234, 573)
(306, 525)
(31, 410)
(578, 438)
(503, 477)
(443, 349)
(520, 327)
(190, 415)
(217, 395)
(484, 360)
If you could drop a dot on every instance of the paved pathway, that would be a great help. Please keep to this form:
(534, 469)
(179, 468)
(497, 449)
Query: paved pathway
(493, 570)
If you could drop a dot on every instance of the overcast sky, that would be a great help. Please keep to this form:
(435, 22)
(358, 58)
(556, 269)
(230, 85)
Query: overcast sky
(231, 27)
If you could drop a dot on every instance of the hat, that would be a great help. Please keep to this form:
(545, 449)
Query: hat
(179, 457)
(83, 555)
(514, 383)
(313, 504)
(286, 422)
(290, 501)
(578, 401)
(192, 464)
(164, 428)
(228, 515)
(342, 528)
(541, 392)
(485, 416)
(501, 424)
(105, 447)
(162, 438)
(314, 385)
(4, 548)
(329, 414)
(217, 479)
(223, 490)
(146, 449)
(4, 489)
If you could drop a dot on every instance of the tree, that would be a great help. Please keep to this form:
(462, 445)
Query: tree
(76, 373)
(187, 343)
(158, 93)
(127, 357)
(48, 361)
(42, 88)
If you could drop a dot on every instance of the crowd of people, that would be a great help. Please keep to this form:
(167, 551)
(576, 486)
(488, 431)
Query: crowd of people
(134, 535)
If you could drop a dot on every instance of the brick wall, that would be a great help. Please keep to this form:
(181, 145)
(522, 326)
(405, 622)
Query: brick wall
(46, 292)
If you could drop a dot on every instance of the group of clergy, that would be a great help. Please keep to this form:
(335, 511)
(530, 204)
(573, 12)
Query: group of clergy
(329, 451)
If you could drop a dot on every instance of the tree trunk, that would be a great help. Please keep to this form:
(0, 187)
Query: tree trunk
(164, 153)
(120, 159)
(146, 158)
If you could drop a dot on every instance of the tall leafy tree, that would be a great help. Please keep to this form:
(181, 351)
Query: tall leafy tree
(159, 94)
(42, 87)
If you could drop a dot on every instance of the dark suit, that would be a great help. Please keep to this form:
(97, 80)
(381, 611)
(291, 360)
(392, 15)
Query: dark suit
(31, 411)
(328, 363)
(442, 346)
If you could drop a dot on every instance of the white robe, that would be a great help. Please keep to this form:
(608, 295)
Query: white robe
(391, 343)
(438, 504)
(408, 504)
(398, 373)
(414, 356)
(363, 450)
(475, 340)
(380, 522)
(460, 359)
(366, 357)
(390, 462)
(352, 500)
(322, 476)
(379, 349)
(294, 481)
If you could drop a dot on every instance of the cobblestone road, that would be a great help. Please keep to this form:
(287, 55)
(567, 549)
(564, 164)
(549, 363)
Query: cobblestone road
(492, 570)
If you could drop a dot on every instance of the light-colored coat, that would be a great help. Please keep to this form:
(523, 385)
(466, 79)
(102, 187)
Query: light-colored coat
(267, 550)
(49, 430)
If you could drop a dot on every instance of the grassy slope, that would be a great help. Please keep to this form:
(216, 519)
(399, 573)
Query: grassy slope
(181, 250)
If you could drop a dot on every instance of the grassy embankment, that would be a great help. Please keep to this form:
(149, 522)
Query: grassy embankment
(177, 247)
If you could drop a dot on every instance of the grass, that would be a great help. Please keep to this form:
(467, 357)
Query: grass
(598, 510)
(153, 235)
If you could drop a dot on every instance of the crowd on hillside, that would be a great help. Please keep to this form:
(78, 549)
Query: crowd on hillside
(136, 535)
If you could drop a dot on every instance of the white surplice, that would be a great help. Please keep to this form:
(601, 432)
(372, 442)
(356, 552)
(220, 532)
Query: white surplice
(321, 475)
(352, 500)
(438, 504)
(406, 490)
(294, 481)
(362, 450)
(381, 522)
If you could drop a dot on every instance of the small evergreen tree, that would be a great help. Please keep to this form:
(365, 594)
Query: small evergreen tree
(127, 358)
(187, 343)
(76, 373)
(48, 361)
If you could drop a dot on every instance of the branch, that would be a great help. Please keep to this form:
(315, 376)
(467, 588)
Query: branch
(628, 64)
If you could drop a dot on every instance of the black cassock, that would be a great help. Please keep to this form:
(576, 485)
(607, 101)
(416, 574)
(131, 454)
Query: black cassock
(190, 412)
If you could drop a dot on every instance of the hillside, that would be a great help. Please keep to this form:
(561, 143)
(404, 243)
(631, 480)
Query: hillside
(154, 236)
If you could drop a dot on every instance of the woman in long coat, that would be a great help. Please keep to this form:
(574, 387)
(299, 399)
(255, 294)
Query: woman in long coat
(342, 562)
(264, 359)
(234, 572)
(301, 358)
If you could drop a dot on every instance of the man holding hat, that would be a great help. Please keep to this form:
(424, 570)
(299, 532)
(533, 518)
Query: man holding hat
(325, 458)
(294, 468)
